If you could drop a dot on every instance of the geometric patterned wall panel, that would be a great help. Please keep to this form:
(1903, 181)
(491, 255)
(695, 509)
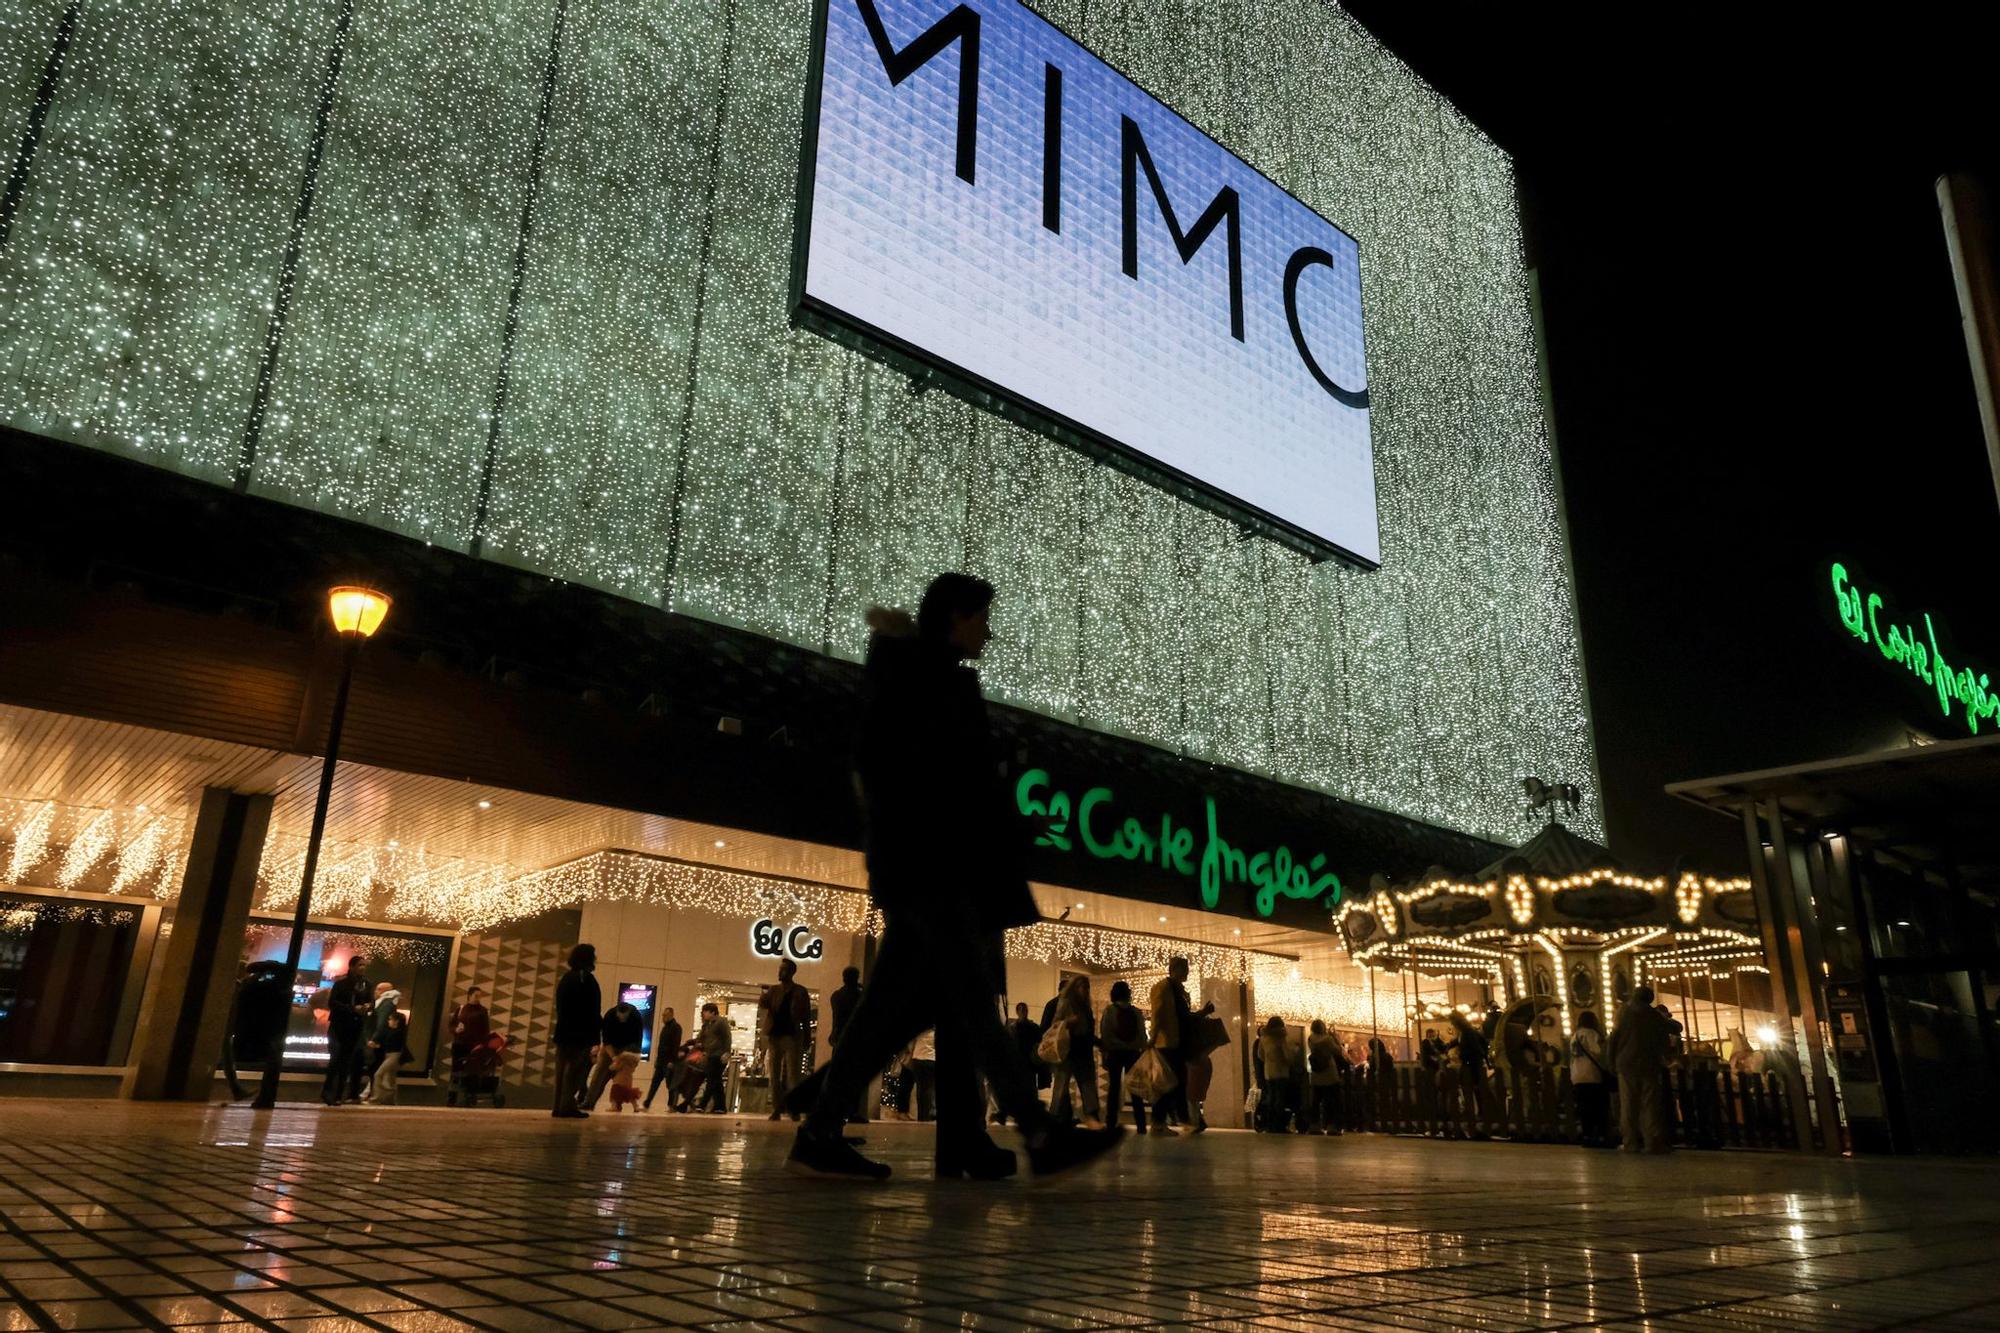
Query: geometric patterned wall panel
(538, 309)
(520, 978)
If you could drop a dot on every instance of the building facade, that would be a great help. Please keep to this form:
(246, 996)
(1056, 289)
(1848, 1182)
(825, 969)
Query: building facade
(478, 292)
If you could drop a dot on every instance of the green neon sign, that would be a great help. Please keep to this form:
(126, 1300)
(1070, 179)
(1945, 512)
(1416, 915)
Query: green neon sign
(1862, 613)
(1274, 874)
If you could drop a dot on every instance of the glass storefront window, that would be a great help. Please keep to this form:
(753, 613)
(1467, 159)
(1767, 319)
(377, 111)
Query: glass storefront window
(63, 965)
(414, 963)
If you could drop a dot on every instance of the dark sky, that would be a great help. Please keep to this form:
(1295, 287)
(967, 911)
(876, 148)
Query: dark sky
(1757, 365)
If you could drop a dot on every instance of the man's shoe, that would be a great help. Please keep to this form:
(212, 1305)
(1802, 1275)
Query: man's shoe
(981, 1159)
(570, 1113)
(775, 1115)
(832, 1159)
(1161, 1127)
(1068, 1147)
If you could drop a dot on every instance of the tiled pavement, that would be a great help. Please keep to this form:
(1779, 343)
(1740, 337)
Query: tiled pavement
(118, 1215)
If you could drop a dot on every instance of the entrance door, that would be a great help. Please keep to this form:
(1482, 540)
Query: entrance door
(1942, 1024)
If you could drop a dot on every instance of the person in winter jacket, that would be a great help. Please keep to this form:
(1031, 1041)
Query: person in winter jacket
(715, 1042)
(1329, 1067)
(946, 854)
(579, 1026)
(392, 1044)
(387, 1001)
(1639, 1048)
(1588, 1064)
(1122, 1034)
(622, 1029)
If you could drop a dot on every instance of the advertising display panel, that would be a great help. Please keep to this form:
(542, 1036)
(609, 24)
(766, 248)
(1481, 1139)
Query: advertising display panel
(983, 198)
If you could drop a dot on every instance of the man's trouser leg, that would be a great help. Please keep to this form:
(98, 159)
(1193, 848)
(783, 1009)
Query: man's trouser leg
(1634, 1092)
(927, 973)
(1657, 1121)
(961, 1100)
(782, 1064)
(662, 1072)
(572, 1062)
(340, 1056)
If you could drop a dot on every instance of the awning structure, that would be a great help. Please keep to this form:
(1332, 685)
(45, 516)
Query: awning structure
(1934, 807)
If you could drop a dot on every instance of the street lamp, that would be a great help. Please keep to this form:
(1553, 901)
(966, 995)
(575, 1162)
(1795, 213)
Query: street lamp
(357, 613)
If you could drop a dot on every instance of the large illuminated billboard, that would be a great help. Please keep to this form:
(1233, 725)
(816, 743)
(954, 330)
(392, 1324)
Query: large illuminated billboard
(983, 197)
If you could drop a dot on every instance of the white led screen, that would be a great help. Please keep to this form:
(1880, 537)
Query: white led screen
(986, 194)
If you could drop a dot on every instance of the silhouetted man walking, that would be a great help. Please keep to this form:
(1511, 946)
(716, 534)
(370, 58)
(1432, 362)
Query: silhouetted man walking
(945, 865)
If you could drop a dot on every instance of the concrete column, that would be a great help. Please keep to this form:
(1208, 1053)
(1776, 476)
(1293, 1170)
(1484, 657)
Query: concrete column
(1975, 269)
(176, 1051)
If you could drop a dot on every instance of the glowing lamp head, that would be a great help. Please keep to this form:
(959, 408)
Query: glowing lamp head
(357, 610)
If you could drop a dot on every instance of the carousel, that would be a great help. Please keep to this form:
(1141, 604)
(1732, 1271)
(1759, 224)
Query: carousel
(1558, 927)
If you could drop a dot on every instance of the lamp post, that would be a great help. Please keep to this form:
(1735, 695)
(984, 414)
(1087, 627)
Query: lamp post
(357, 613)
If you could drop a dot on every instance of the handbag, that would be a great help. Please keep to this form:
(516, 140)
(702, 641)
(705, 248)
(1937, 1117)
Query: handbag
(1054, 1049)
(1152, 1077)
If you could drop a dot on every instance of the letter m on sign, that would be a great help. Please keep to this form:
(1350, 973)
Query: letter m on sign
(1223, 208)
(960, 25)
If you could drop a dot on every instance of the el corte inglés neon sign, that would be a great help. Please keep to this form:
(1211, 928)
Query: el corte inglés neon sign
(1095, 823)
(1866, 619)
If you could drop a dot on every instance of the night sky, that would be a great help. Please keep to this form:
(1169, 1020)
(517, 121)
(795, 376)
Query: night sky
(1757, 363)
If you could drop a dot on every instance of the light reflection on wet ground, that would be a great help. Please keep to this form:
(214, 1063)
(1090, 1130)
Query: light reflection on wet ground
(121, 1215)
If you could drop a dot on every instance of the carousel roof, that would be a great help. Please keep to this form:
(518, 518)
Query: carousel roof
(1555, 852)
(1556, 890)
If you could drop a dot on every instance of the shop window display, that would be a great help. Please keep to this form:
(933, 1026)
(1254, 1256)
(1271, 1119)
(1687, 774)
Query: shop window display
(63, 965)
(415, 963)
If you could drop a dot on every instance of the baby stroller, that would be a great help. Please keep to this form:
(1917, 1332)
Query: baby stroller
(475, 1071)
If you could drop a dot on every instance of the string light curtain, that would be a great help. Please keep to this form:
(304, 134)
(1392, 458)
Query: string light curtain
(537, 308)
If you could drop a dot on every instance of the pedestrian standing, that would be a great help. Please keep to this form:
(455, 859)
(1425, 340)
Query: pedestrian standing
(783, 1012)
(1274, 1075)
(934, 798)
(579, 1025)
(1076, 1072)
(840, 1010)
(471, 1029)
(1122, 1034)
(1472, 1047)
(1638, 1051)
(1587, 1068)
(666, 1059)
(1329, 1068)
(1173, 1030)
(715, 1043)
(347, 1005)
(257, 1021)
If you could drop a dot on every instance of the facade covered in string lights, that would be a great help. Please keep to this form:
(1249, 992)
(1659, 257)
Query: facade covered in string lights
(493, 306)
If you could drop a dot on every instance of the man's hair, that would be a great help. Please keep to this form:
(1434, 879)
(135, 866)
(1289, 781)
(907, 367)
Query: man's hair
(711, 1009)
(475, 990)
(1642, 995)
(1121, 991)
(1021, 1008)
(1176, 961)
(850, 974)
(951, 595)
(581, 954)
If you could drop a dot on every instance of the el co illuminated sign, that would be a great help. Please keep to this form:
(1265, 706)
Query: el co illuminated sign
(1867, 620)
(1094, 822)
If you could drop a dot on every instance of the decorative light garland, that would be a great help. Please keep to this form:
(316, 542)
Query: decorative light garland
(31, 842)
